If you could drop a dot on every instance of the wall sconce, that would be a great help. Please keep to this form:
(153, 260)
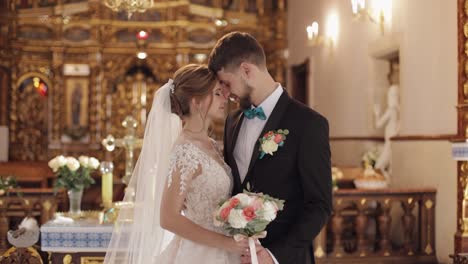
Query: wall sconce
(331, 36)
(378, 13)
(312, 34)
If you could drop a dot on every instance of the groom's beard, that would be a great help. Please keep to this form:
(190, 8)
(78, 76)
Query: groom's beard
(245, 101)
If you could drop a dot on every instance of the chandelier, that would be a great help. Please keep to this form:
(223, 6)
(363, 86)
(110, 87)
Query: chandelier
(129, 6)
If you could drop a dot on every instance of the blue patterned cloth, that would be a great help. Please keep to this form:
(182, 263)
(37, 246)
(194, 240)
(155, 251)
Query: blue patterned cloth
(75, 237)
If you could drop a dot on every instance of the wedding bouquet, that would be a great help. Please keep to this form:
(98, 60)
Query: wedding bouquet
(246, 215)
(73, 174)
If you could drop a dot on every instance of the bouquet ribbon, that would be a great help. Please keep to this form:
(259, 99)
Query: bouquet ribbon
(253, 251)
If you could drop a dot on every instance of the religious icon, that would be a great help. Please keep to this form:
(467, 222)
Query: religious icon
(76, 97)
(76, 106)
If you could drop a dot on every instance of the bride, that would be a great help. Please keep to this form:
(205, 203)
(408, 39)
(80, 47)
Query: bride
(179, 179)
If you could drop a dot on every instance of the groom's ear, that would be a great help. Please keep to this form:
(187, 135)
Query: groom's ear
(246, 69)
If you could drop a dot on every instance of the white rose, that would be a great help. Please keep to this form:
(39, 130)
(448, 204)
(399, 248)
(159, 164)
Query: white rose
(61, 161)
(269, 147)
(269, 211)
(93, 163)
(244, 199)
(72, 164)
(215, 220)
(84, 161)
(53, 164)
(236, 219)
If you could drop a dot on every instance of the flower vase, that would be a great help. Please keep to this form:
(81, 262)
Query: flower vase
(74, 197)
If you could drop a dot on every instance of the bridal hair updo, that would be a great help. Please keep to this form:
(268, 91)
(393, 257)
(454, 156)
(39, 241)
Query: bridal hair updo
(190, 81)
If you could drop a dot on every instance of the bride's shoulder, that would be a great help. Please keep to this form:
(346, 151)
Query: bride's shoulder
(182, 145)
(185, 147)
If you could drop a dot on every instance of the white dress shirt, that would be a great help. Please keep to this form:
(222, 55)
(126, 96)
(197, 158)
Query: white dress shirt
(249, 133)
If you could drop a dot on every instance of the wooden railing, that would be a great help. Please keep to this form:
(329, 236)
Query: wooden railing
(379, 226)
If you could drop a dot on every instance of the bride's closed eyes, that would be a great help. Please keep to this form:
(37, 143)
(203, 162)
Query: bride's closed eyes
(219, 92)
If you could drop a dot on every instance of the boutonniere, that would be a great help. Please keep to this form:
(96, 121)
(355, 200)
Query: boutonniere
(271, 141)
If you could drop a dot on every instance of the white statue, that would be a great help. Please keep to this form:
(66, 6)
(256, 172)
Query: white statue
(391, 120)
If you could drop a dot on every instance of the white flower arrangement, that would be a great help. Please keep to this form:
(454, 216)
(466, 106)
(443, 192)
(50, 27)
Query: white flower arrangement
(371, 178)
(336, 175)
(369, 159)
(73, 173)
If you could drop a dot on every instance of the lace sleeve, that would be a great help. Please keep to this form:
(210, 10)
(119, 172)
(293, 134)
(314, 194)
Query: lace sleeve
(186, 162)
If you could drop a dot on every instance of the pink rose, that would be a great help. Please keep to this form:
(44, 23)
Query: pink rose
(268, 134)
(225, 212)
(278, 138)
(234, 202)
(249, 213)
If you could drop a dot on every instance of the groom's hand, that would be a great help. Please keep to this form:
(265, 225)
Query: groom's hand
(263, 256)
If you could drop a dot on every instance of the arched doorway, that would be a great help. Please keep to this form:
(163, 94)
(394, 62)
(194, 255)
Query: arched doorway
(28, 117)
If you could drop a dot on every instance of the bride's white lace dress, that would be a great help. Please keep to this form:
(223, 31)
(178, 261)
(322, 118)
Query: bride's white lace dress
(203, 193)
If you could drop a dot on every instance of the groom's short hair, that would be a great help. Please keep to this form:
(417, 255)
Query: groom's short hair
(233, 49)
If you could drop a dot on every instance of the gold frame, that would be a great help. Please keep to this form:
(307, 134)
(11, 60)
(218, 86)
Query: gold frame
(76, 86)
(92, 260)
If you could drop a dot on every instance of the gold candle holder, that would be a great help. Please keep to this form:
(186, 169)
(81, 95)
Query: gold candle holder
(465, 211)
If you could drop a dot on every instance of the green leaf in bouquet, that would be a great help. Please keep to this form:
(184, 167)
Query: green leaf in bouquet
(222, 202)
(259, 225)
(280, 204)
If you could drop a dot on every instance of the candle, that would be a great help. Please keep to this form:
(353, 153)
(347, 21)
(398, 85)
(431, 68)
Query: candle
(309, 32)
(107, 183)
(315, 29)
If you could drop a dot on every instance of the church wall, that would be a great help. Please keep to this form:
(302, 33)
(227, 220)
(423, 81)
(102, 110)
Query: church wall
(428, 66)
(345, 83)
(339, 77)
(429, 164)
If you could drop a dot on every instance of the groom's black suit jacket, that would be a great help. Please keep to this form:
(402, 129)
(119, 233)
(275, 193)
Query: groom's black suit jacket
(299, 172)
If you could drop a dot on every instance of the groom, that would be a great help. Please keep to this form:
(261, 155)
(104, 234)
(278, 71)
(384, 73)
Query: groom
(298, 171)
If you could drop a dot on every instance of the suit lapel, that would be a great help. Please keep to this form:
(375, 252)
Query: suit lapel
(232, 145)
(237, 125)
(271, 124)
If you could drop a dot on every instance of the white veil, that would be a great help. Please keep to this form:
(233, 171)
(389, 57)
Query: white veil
(138, 236)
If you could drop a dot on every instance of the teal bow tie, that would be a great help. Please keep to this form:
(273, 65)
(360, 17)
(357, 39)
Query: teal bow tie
(255, 112)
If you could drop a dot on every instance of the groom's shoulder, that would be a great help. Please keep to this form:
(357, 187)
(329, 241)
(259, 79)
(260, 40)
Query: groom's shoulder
(305, 113)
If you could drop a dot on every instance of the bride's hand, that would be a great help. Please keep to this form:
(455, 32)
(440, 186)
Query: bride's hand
(240, 247)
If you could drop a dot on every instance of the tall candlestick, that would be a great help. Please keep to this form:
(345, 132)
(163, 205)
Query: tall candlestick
(107, 183)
